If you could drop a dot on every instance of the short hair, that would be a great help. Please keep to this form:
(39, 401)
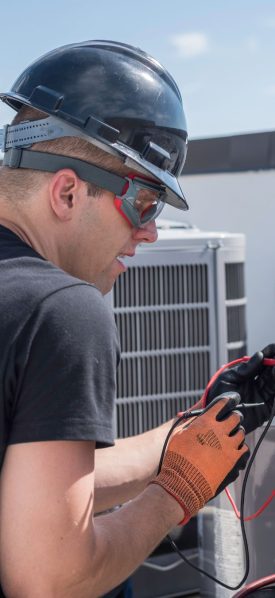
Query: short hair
(20, 184)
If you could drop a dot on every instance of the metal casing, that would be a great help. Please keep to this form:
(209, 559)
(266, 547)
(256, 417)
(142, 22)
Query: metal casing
(180, 312)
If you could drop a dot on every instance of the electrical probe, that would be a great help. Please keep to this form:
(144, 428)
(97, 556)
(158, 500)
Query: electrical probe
(188, 414)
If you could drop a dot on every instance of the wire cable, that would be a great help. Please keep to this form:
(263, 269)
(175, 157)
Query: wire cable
(267, 361)
(242, 520)
(164, 568)
(263, 583)
(258, 512)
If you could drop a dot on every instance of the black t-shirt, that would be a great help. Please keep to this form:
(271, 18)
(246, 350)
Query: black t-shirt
(59, 352)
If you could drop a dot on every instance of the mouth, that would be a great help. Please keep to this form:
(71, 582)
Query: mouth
(122, 257)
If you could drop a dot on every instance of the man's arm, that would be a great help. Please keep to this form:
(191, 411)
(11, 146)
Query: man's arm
(51, 546)
(123, 471)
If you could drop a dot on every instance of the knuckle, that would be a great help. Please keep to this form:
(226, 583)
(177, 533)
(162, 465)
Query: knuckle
(241, 416)
(238, 415)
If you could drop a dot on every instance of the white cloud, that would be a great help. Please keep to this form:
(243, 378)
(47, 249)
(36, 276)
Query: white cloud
(190, 44)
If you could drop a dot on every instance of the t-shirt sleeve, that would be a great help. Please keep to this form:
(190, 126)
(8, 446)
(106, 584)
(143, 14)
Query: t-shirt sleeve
(67, 356)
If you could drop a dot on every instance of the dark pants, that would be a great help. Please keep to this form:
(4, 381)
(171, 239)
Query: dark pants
(122, 591)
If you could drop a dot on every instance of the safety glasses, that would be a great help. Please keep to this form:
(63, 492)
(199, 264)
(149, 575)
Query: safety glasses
(141, 200)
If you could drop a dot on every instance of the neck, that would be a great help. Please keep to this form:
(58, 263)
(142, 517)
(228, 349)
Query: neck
(16, 229)
(21, 225)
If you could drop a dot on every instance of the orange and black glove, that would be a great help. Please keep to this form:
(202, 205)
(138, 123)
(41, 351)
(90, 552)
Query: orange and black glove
(254, 382)
(205, 456)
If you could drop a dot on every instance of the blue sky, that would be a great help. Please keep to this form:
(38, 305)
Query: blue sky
(221, 53)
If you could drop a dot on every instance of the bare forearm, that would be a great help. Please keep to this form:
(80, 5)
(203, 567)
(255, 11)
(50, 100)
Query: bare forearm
(123, 539)
(97, 555)
(123, 471)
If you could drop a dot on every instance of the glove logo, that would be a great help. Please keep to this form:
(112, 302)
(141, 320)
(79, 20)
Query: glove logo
(210, 439)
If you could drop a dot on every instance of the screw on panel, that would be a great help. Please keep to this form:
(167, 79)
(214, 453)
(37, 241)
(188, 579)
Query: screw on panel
(214, 244)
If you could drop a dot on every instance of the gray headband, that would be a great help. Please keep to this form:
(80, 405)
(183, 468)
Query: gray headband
(26, 133)
(23, 158)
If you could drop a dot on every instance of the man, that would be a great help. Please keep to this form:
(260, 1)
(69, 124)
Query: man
(80, 189)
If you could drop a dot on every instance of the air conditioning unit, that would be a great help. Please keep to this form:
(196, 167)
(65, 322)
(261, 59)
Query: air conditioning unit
(180, 313)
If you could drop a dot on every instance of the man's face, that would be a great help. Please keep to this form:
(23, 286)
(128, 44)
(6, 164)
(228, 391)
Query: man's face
(102, 236)
(106, 279)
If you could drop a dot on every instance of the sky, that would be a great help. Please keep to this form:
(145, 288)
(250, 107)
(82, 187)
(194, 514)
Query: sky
(221, 53)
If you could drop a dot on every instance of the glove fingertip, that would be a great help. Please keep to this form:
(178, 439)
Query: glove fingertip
(243, 460)
(269, 350)
(252, 367)
(233, 399)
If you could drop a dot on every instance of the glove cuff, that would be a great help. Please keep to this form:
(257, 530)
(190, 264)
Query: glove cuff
(185, 483)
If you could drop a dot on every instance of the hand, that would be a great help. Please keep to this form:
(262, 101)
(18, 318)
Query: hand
(202, 458)
(254, 382)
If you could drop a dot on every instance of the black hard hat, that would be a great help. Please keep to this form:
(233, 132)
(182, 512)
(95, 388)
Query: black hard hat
(118, 96)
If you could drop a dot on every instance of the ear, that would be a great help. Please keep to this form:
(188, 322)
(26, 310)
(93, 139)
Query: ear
(64, 190)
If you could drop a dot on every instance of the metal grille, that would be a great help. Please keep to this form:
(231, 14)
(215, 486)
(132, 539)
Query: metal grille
(162, 373)
(234, 274)
(162, 315)
(165, 327)
(165, 285)
(236, 329)
(147, 413)
(235, 310)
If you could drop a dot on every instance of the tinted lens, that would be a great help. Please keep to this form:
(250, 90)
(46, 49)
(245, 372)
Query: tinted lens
(145, 198)
(141, 201)
(152, 212)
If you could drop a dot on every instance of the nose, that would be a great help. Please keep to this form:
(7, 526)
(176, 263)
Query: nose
(147, 233)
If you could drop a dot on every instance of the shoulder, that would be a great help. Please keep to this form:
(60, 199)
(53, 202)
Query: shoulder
(42, 288)
(31, 280)
(76, 306)
(48, 304)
